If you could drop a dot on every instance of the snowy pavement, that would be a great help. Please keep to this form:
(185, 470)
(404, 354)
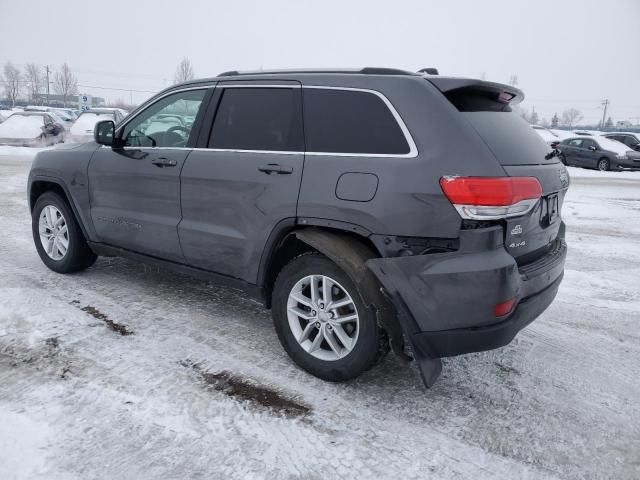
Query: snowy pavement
(126, 371)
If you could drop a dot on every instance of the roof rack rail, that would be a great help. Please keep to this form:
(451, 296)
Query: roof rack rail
(429, 71)
(362, 71)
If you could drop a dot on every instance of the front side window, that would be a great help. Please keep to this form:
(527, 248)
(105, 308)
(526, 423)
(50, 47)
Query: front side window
(630, 141)
(258, 119)
(348, 121)
(163, 123)
(588, 143)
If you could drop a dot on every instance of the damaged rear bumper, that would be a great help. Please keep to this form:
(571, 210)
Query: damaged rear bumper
(446, 301)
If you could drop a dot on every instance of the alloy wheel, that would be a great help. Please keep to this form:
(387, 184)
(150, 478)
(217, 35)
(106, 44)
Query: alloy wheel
(323, 317)
(54, 234)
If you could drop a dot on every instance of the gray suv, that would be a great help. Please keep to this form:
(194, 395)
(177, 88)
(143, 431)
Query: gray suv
(371, 210)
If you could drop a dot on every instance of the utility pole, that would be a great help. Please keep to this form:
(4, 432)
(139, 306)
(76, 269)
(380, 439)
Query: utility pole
(47, 68)
(605, 104)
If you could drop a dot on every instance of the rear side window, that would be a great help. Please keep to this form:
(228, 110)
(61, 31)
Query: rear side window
(346, 121)
(258, 119)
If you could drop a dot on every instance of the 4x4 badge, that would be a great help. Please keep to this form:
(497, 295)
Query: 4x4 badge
(517, 230)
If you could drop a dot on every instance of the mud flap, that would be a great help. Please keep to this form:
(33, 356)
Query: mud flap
(430, 367)
(352, 256)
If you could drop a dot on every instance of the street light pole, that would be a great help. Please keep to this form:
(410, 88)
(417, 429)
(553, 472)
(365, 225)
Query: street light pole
(47, 68)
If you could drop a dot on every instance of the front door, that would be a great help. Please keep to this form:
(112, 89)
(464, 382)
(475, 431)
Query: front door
(135, 189)
(589, 154)
(244, 179)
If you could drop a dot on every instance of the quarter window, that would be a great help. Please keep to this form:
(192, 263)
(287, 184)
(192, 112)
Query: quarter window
(346, 121)
(166, 123)
(258, 119)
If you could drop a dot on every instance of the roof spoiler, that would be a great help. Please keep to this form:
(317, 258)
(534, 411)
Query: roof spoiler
(498, 91)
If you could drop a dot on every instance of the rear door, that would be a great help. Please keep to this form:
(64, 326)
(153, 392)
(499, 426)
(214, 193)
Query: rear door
(135, 189)
(244, 178)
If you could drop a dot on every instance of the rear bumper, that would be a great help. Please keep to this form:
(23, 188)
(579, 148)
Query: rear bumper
(445, 301)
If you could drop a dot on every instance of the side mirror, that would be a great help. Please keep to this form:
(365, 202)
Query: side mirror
(104, 132)
(593, 148)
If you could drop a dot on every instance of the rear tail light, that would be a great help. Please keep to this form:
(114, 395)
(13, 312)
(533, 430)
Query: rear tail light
(491, 198)
(504, 308)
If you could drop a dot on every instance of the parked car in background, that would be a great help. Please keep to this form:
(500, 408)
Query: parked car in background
(31, 129)
(630, 139)
(598, 152)
(64, 115)
(547, 135)
(386, 237)
(82, 129)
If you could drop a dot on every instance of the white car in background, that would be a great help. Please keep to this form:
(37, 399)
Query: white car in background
(547, 135)
(31, 129)
(82, 129)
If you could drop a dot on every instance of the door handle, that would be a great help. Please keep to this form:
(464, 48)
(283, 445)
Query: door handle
(164, 162)
(276, 168)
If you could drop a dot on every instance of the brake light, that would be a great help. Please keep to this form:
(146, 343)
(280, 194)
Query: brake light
(491, 198)
(504, 308)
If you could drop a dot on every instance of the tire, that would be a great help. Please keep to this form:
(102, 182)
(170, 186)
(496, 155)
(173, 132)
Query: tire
(603, 164)
(370, 342)
(77, 256)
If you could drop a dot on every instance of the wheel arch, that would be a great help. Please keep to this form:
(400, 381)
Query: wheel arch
(350, 251)
(40, 185)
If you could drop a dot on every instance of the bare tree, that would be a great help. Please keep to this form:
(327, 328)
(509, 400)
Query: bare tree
(184, 71)
(34, 80)
(513, 80)
(571, 116)
(65, 83)
(12, 81)
(534, 118)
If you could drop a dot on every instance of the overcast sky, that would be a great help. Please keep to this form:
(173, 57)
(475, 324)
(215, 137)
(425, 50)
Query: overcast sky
(565, 53)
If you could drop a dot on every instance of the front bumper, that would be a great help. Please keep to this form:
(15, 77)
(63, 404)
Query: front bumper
(445, 301)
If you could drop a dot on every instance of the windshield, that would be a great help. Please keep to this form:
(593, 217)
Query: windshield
(87, 121)
(22, 126)
(510, 138)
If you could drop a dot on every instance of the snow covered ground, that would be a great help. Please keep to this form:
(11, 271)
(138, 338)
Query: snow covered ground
(126, 371)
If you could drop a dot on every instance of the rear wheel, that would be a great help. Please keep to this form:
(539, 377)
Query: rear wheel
(58, 237)
(603, 164)
(322, 321)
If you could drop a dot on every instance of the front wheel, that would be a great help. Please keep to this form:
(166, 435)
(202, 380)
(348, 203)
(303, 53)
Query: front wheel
(322, 321)
(58, 237)
(603, 164)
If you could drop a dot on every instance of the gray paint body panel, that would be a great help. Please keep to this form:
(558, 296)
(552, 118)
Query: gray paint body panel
(229, 208)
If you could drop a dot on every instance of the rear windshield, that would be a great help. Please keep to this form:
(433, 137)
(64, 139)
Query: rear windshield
(510, 138)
